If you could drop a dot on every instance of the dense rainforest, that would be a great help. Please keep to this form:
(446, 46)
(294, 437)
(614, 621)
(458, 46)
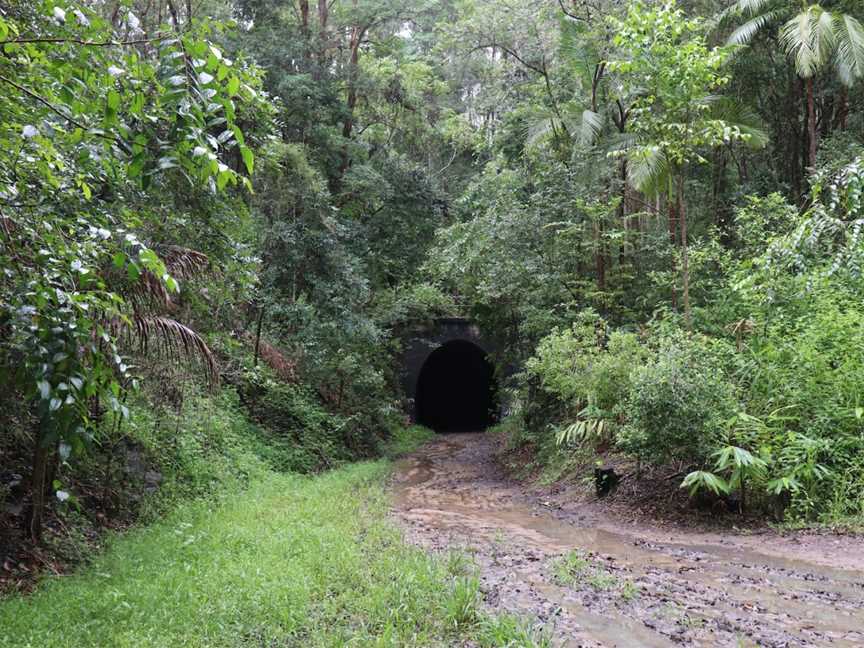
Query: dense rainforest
(218, 219)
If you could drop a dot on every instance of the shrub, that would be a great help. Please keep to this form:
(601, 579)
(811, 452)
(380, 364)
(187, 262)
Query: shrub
(585, 369)
(810, 364)
(678, 402)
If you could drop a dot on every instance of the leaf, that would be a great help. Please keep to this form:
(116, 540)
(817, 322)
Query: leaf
(248, 158)
(783, 485)
(222, 179)
(174, 337)
(113, 100)
(64, 450)
(44, 388)
(703, 480)
(233, 86)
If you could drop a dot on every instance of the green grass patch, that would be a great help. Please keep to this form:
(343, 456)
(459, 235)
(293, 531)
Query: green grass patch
(292, 560)
(576, 568)
(406, 439)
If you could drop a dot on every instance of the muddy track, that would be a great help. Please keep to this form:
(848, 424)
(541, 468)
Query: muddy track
(592, 581)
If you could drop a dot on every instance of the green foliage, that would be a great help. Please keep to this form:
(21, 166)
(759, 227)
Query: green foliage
(672, 117)
(701, 480)
(206, 451)
(302, 435)
(589, 374)
(678, 402)
(98, 118)
(585, 366)
(412, 304)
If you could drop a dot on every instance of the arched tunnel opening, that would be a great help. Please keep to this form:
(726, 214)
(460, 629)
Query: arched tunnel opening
(456, 390)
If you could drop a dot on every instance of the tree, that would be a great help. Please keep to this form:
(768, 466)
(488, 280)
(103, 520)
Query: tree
(664, 60)
(814, 38)
(96, 113)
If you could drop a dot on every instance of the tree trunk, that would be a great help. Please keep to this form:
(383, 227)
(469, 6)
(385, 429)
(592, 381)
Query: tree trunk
(685, 255)
(795, 164)
(357, 33)
(671, 207)
(258, 336)
(842, 109)
(304, 29)
(812, 136)
(38, 478)
(599, 257)
(323, 16)
(623, 213)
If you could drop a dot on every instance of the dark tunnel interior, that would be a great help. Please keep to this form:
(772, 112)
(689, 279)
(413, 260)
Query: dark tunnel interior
(456, 389)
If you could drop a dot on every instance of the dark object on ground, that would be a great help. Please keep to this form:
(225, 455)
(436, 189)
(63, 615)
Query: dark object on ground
(605, 480)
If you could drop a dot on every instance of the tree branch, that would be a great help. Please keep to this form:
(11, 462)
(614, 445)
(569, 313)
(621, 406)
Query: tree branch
(62, 114)
(85, 43)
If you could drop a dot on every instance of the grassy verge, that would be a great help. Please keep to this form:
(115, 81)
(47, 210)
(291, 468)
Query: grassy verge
(291, 561)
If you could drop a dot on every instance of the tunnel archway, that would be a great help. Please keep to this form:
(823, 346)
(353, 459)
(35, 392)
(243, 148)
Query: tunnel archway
(456, 389)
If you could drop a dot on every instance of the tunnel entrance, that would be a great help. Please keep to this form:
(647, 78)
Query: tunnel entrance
(456, 389)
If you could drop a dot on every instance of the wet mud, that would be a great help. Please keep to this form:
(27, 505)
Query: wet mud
(591, 580)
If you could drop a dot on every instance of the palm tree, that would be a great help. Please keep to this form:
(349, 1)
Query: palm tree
(814, 37)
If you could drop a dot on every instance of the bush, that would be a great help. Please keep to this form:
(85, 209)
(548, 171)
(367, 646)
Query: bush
(810, 367)
(588, 372)
(584, 368)
(301, 434)
(678, 402)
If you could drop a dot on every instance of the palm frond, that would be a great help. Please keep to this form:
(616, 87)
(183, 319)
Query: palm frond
(183, 263)
(285, 367)
(740, 116)
(746, 32)
(539, 130)
(648, 170)
(751, 7)
(850, 48)
(590, 127)
(157, 334)
(809, 39)
(149, 290)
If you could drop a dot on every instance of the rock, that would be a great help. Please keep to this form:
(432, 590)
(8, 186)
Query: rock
(605, 480)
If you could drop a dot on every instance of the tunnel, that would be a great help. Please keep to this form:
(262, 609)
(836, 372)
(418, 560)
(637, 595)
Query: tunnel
(456, 389)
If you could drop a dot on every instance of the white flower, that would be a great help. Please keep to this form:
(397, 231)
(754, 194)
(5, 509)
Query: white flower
(62, 495)
(59, 14)
(29, 131)
(115, 71)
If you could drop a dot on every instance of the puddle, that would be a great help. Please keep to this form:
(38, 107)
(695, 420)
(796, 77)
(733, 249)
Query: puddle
(630, 589)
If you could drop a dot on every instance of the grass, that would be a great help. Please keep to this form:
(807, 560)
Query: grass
(406, 439)
(576, 568)
(290, 561)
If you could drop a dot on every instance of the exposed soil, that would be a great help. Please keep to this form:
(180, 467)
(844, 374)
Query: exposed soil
(596, 580)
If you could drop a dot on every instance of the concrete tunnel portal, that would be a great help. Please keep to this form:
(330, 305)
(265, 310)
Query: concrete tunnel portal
(456, 389)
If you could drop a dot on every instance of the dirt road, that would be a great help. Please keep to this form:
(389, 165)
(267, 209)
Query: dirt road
(593, 581)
